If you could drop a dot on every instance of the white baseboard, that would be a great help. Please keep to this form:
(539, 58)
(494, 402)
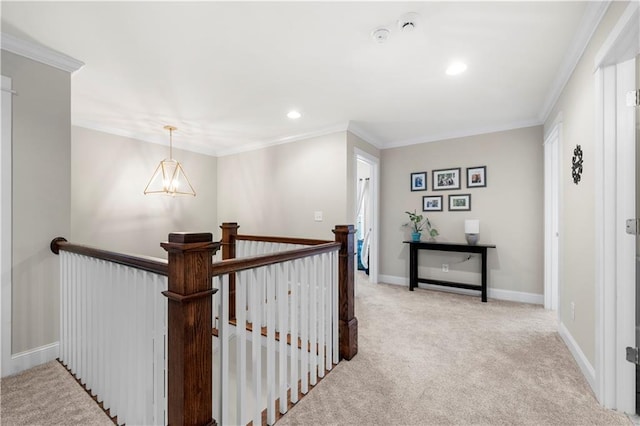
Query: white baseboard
(492, 293)
(585, 366)
(29, 359)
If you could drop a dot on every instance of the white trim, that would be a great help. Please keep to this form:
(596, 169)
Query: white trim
(374, 189)
(622, 42)
(5, 227)
(585, 366)
(32, 358)
(40, 53)
(591, 18)
(357, 130)
(625, 243)
(207, 150)
(602, 238)
(464, 133)
(284, 140)
(492, 293)
(612, 319)
(552, 155)
(558, 120)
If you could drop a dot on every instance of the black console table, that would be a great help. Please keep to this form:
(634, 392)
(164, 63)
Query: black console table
(455, 247)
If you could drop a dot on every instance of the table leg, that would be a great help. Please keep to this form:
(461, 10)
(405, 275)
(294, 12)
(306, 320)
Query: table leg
(483, 255)
(413, 267)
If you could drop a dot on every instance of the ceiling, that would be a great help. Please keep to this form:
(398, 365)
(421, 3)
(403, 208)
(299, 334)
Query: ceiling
(227, 73)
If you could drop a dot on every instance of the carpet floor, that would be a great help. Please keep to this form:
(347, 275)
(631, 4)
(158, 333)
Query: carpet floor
(425, 358)
(436, 358)
(47, 395)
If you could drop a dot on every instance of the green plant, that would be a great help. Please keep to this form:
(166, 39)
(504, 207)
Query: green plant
(418, 222)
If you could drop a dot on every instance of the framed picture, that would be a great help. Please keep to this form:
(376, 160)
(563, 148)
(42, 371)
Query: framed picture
(459, 202)
(446, 179)
(476, 177)
(432, 203)
(419, 181)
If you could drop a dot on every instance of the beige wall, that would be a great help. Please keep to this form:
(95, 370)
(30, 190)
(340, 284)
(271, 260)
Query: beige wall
(510, 208)
(108, 207)
(577, 221)
(41, 195)
(276, 190)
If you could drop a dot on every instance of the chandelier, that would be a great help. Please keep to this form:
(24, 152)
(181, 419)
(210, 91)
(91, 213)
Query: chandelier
(169, 177)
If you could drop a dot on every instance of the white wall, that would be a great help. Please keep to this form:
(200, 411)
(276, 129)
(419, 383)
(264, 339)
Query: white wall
(510, 208)
(41, 195)
(276, 190)
(108, 207)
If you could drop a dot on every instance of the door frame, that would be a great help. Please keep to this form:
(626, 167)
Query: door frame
(5, 226)
(614, 192)
(552, 207)
(374, 191)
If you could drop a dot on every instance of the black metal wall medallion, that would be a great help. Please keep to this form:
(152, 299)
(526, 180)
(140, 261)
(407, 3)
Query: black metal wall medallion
(576, 164)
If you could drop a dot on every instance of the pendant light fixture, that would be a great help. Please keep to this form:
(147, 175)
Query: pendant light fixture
(169, 177)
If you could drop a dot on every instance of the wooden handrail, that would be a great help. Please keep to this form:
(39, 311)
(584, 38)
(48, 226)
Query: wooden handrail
(146, 263)
(230, 266)
(281, 240)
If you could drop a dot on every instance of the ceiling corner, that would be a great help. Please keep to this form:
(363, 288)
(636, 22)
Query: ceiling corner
(357, 130)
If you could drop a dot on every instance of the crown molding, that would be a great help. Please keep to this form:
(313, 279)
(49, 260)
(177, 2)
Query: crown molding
(357, 130)
(622, 42)
(464, 133)
(200, 149)
(284, 140)
(39, 53)
(191, 147)
(591, 18)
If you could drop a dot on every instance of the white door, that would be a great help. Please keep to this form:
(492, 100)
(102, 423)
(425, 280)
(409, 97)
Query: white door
(372, 222)
(637, 395)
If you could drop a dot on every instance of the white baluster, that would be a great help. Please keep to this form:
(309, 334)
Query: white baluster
(159, 327)
(64, 306)
(241, 345)
(225, 340)
(335, 307)
(321, 313)
(256, 346)
(304, 324)
(326, 286)
(313, 327)
(295, 322)
(271, 337)
(216, 372)
(282, 288)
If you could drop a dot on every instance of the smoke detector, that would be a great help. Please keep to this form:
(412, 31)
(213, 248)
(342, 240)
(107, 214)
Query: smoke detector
(408, 22)
(380, 35)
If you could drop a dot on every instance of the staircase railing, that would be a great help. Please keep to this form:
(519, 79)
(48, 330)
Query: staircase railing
(138, 352)
(113, 322)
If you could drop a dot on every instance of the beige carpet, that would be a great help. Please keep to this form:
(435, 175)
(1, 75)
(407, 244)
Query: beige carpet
(425, 358)
(435, 358)
(47, 395)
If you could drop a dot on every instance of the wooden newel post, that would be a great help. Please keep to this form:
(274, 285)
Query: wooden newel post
(348, 323)
(189, 327)
(229, 232)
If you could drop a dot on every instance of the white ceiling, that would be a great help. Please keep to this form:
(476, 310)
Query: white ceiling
(227, 73)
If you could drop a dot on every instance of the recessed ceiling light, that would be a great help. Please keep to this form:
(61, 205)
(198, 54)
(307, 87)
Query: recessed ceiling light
(294, 115)
(456, 68)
